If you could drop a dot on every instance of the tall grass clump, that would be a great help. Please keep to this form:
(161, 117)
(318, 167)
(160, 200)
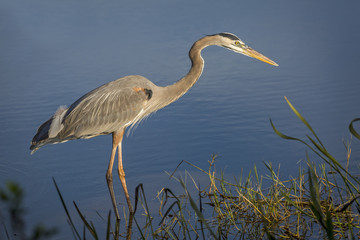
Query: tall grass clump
(321, 202)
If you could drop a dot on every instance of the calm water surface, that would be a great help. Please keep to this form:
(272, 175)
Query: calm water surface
(54, 52)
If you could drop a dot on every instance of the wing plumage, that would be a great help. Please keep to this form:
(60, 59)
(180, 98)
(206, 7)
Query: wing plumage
(104, 110)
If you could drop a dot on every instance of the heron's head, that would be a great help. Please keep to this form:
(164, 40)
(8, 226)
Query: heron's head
(232, 42)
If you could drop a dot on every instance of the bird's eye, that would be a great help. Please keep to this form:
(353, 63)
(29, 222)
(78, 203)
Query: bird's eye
(237, 43)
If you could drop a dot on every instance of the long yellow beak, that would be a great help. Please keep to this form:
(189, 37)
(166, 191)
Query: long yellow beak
(254, 54)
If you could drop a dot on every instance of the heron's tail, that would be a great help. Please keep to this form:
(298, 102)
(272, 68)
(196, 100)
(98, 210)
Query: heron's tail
(48, 131)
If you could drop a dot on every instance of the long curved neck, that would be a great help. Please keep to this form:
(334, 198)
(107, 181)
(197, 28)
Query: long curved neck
(173, 92)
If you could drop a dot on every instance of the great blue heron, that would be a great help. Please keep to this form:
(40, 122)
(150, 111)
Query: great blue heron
(119, 104)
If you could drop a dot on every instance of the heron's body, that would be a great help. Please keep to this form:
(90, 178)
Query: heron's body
(113, 107)
(106, 109)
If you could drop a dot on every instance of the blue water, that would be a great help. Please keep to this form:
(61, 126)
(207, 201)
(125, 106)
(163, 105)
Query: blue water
(54, 52)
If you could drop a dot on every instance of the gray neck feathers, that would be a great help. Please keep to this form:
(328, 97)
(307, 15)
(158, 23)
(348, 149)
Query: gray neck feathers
(173, 92)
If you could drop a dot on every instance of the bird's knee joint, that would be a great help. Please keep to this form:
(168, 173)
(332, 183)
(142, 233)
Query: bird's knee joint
(108, 176)
(121, 172)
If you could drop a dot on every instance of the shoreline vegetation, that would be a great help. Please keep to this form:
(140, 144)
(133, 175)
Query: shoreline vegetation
(322, 202)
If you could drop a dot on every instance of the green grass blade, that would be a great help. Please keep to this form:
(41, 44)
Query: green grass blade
(76, 233)
(201, 210)
(326, 153)
(281, 134)
(352, 130)
(139, 228)
(140, 186)
(90, 226)
(136, 197)
(168, 211)
(315, 197)
(329, 225)
(314, 193)
(303, 120)
(195, 208)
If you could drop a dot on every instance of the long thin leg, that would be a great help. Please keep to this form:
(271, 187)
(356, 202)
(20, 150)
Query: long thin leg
(129, 227)
(122, 173)
(109, 177)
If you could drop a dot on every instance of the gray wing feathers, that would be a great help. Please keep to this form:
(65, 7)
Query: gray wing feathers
(56, 123)
(104, 110)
